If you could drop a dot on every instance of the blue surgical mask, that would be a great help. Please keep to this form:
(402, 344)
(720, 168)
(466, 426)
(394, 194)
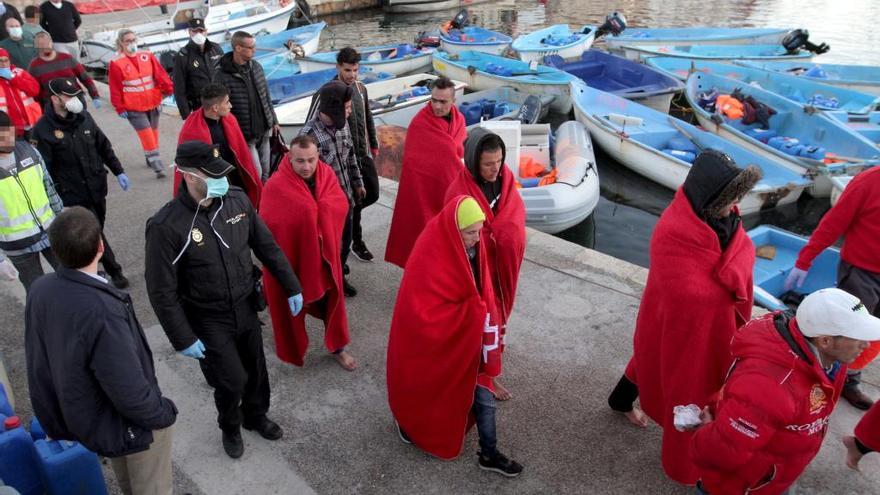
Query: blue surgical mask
(6, 73)
(217, 187)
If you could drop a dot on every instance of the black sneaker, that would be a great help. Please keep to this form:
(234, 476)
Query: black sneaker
(360, 251)
(403, 438)
(345, 269)
(119, 281)
(232, 443)
(500, 464)
(160, 174)
(267, 428)
(348, 289)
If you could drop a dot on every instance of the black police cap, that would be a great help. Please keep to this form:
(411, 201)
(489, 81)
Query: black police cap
(196, 23)
(204, 157)
(64, 86)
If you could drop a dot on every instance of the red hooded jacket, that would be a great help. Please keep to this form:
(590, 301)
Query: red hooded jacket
(441, 345)
(196, 129)
(308, 227)
(772, 414)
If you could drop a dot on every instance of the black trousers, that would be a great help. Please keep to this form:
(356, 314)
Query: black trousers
(624, 395)
(234, 364)
(371, 184)
(29, 266)
(346, 237)
(108, 260)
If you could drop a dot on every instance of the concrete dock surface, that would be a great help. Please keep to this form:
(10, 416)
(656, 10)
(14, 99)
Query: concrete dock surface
(568, 342)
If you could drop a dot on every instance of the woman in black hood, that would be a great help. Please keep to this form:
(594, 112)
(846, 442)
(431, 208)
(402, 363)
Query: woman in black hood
(714, 185)
(481, 141)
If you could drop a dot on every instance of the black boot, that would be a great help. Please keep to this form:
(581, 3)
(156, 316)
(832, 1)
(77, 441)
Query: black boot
(232, 443)
(853, 394)
(500, 464)
(267, 428)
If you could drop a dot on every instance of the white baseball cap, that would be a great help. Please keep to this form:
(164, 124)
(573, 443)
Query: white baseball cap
(835, 312)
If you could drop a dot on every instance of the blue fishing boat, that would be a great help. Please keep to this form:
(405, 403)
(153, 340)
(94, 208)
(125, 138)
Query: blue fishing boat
(287, 88)
(474, 38)
(715, 52)
(278, 65)
(622, 77)
(770, 273)
(662, 148)
(394, 59)
(864, 78)
(868, 125)
(800, 90)
(696, 36)
(307, 37)
(559, 40)
(483, 71)
(801, 140)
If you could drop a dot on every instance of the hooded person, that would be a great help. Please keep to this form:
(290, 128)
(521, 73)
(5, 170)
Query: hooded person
(310, 239)
(699, 291)
(490, 182)
(432, 158)
(444, 344)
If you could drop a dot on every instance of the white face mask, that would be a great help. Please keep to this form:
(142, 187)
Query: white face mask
(74, 105)
(199, 39)
(15, 32)
(131, 47)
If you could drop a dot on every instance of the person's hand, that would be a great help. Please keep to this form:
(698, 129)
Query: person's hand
(123, 114)
(122, 179)
(795, 279)
(706, 417)
(360, 193)
(195, 351)
(96, 102)
(8, 271)
(374, 152)
(276, 129)
(295, 303)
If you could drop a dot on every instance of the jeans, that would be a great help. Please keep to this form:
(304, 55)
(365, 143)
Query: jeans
(346, 238)
(484, 410)
(29, 267)
(260, 151)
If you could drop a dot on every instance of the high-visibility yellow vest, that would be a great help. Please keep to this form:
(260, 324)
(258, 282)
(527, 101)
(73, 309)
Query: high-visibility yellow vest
(25, 211)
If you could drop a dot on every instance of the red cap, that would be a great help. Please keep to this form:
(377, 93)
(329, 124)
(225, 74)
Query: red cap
(12, 422)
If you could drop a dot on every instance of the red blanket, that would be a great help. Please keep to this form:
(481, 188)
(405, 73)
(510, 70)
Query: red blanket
(868, 429)
(308, 228)
(196, 129)
(438, 328)
(505, 231)
(695, 298)
(432, 158)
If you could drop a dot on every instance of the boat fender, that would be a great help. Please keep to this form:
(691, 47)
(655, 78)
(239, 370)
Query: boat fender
(685, 156)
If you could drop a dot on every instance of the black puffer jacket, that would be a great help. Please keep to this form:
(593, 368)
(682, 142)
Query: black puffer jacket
(90, 369)
(209, 277)
(230, 75)
(76, 152)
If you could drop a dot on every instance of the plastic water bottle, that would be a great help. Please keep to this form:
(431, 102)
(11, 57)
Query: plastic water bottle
(70, 469)
(501, 108)
(19, 467)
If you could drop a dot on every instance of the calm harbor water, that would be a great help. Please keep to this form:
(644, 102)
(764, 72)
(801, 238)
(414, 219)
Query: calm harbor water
(622, 223)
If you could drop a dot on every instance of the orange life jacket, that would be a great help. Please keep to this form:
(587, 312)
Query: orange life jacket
(729, 106)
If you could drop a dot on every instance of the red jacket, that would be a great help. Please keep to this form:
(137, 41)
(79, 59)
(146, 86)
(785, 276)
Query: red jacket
(856, 217)
(17, 100)
(772, 414)
(137, 82)
(196, 129)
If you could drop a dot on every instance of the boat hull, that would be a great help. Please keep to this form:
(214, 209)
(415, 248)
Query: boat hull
(408, 65)
(713, 36)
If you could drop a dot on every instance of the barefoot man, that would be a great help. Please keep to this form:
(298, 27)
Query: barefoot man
(699, 292)
(866, 438)
(310, 239)
(491, 183)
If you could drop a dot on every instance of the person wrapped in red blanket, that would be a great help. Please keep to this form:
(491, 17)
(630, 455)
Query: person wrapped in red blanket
(305, 208)
(214, 123)
(431, 161)
(866, 438)
(699, 291)
(444, 344)
(491, 183)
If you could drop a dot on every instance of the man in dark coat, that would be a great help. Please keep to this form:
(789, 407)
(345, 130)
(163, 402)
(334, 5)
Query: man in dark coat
(78, 154)
(200, 279)
(194, 68)
(61, 20)
(363, 136)
(249, 94)
(90, 370)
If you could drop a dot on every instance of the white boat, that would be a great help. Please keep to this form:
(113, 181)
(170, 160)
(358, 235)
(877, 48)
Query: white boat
(573, 197)
(222, 18)
(558, 39)
(385, 96)
(418, 6)
(695, 36)
(838, 184)
(392, 59)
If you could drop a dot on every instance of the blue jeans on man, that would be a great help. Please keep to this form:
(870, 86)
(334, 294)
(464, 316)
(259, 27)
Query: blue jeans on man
(484, 410)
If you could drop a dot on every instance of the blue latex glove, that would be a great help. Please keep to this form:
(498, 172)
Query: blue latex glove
(122, 179)
(295, 303)
(195, 351)
(123, 114)
(795, 279)
(96, 102)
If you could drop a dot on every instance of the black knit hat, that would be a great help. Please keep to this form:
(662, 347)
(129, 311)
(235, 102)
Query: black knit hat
(334, 95)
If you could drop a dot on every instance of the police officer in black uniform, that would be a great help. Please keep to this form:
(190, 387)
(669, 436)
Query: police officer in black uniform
(194, 67)
(201, 284)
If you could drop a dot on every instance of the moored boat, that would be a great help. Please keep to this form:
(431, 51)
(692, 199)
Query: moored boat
(864, 78)
(394, 59)
(473, 38)
(696, 36)
(284, 89)
(715, 52)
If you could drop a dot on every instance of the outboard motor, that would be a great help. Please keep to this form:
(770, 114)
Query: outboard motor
(615, 23)
(460, 20)
(428, 38)
(799, 38)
